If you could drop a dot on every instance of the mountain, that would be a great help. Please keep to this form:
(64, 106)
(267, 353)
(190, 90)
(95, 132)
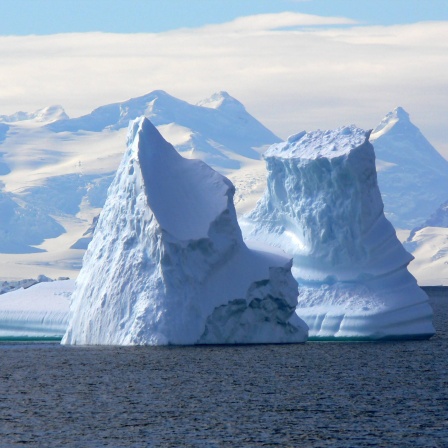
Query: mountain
(61, 168)
(45, 115)
(166, 244)
(322, 206)
(412, 175)
(216, 129)
(22, 227)
(428, 243)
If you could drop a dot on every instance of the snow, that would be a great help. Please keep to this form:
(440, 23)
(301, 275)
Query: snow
(429, 246)
(60, 170)
(225, 126)
(38, 312)
(412, 175)
(322, 205)
(21, 227)
(56, 182)
(46, 115)
(167, 263)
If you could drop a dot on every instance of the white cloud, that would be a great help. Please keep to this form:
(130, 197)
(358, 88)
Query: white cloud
(317, 75)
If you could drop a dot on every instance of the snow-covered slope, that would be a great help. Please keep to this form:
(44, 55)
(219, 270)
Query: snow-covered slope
(213, 128)
(438, 219)
(429, 245)
(22, 227)
(323, 207)
(61, 168)
(44, 116)
(412, 175)
(38, 312)
(167, 263)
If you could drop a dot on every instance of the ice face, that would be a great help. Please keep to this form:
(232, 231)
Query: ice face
(167, 263)
(323, 206)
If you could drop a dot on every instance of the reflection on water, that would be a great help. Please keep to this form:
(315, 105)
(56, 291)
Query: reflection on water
(315, 394)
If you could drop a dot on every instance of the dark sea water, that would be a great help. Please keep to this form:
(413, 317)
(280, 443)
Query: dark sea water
(388, 394)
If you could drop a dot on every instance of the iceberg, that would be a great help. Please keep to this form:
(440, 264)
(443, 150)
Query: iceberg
(167, 263)
(323, 206)
(40, 311)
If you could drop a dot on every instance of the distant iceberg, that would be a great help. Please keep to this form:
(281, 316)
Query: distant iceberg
(323, 206)
(167, 263)
(36, 311)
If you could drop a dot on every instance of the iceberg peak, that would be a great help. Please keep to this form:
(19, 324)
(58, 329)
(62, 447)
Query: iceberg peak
(202, 201)
(317, 144)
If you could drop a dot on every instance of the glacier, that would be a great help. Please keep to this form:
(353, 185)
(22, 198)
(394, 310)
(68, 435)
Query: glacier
(41, 311)
(323, 206)
(167, 263)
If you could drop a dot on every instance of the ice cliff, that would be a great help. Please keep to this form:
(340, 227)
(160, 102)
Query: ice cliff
(167, 263)
(323, 206)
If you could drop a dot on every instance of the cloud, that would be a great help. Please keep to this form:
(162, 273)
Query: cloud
(292, 71)
(265, 22)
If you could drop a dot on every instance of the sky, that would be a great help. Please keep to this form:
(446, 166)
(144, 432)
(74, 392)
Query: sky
(294, 64)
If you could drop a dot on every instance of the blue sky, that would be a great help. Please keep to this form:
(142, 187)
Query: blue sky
(23, 17)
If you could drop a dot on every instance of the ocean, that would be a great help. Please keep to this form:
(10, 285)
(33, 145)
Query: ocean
(318, 394)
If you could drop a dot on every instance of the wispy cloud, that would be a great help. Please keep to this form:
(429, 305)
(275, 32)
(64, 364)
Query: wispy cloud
(315, 75)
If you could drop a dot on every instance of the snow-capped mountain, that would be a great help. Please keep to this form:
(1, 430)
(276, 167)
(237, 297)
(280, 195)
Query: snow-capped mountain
(216, 129)
(60, 168)
(46, 115)
(412, 175)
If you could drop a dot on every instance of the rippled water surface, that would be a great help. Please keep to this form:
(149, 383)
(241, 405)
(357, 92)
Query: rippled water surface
(314, 394)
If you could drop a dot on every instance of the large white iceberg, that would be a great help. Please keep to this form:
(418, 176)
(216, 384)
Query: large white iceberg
(167, 263)
(323, 206)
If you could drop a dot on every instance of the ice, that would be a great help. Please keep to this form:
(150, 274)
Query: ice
(167, 263)
(40, 311)
(322, 205)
